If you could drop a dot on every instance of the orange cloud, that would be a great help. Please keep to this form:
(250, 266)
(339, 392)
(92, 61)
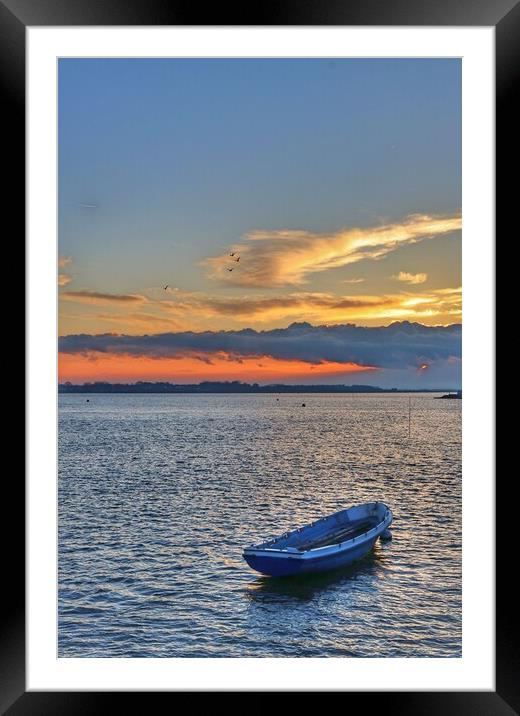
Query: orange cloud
(194, 369)
(411, 277)
(95, 298)
(265, 308)
(64, 279)
(190, 310)
(320, 307)
(141, 320)
(288, 257)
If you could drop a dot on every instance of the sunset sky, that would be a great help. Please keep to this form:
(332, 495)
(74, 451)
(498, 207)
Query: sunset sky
(337, 184)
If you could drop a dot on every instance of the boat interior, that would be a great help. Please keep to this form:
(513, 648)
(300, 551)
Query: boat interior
(328, 531)
(354, 529)
(334, 529)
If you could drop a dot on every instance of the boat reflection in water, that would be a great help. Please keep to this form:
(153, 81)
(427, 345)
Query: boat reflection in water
(306, 587)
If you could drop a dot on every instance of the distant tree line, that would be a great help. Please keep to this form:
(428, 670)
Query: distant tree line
(233, 386)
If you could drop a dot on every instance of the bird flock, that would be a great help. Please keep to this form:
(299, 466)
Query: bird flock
(232, 255)
(237, 259)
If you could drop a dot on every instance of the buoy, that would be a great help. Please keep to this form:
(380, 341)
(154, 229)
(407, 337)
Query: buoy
(386, 535)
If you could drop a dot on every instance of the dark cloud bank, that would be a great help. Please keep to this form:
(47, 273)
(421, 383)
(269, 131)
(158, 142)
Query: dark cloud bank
(399, 345)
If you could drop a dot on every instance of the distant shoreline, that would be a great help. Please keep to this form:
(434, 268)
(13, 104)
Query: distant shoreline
(233, 387)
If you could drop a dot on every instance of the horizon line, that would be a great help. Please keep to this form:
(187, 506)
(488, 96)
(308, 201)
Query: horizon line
(256, 386)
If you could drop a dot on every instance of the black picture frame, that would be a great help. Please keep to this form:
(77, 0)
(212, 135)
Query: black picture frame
(15, 17)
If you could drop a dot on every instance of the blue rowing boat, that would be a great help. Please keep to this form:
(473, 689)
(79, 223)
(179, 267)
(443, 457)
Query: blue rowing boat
(331, 542)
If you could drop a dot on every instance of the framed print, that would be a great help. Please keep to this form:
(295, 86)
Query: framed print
(260, 443)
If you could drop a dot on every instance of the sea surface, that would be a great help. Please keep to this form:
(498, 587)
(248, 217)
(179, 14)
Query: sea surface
(159, 494)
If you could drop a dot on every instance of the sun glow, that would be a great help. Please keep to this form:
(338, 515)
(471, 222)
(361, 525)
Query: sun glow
(193, 369)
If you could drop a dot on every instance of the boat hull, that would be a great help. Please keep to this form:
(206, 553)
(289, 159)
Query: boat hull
(288, 566)
(330, 543)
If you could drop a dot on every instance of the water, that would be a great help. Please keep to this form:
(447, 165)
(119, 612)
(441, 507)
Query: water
(158, 494)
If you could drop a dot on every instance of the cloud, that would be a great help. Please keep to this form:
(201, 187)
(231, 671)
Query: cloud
(184, 310)
(63, 278)
(142, 319)
(284, 258)
(95, 299)
(410, 277)
(269, 307)
(399, 345)
(318, 307)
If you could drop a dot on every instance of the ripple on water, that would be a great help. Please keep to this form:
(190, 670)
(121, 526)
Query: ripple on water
(158, 494)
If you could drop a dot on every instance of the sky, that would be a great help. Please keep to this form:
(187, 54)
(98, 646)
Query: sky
(267, 220)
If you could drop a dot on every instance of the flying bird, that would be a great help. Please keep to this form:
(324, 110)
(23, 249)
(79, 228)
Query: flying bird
(230, 269)
(234, 252)
(167, 285)
(238, 259)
